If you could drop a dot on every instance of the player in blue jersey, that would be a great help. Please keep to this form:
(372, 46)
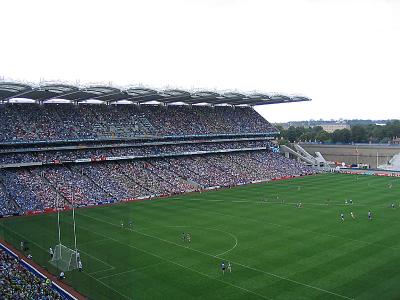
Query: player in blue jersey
(223, 267)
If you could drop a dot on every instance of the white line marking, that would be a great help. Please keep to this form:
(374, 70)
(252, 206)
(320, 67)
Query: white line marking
(214, 256)
(107, 286)
(95, 258)
(131, 270)
(101, 271)
(234, 246)
(93, 242)
(216, 229)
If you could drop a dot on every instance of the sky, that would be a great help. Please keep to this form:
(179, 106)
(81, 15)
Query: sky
(343, 54)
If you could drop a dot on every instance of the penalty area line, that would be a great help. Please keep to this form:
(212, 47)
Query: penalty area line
(132, 270)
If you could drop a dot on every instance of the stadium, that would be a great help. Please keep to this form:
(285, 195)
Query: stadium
(159, 188)
(199, 150)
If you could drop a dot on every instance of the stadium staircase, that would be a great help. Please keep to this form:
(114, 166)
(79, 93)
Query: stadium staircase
(48, 183)
(21, 122)
(148, 128)
(151, 168)
(191, 182)
(10, 199)
(288, 150)
(83, 174)
(166, 179)
(133, 180)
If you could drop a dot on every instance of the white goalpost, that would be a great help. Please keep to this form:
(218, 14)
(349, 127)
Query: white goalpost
(64, 258)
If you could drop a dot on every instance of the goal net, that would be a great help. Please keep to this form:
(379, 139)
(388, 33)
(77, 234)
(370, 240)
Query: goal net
(64, 258)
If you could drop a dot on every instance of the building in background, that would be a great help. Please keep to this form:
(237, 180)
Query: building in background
(334, 126)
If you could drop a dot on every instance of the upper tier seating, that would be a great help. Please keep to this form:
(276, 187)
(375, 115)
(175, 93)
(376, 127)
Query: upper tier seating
(50, 122)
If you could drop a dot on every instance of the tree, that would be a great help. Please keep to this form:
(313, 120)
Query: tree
(323, 136)
(392, 129)
(358, 134)
(291, 134)
(377, 134)
(341, 136)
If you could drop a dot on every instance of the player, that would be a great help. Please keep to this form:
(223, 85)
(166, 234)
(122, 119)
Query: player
(183, 236)
(51, 252)
(188, 237)
(300, 205)
(130, 223)
(342, 217)
(352, 215)
(369, 215)
(22, 245)
(351, 202)
(223, 268)
(80, 265)
(390, 185)
(78, 255)
(345, 202)
(61, 276)
(122, 224)
(392, 205)
(229, 267)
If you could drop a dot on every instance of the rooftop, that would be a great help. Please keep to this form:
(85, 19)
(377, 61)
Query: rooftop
(14, 92)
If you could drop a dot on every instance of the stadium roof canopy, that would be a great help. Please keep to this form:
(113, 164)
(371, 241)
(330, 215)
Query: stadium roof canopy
(14, 92)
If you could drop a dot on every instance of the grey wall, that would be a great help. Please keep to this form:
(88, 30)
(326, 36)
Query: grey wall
(366, 152)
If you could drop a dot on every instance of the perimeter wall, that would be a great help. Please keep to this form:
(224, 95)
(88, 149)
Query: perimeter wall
(370, 154)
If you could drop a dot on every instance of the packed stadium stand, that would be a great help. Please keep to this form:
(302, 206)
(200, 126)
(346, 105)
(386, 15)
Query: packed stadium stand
(80, 153)
(54, 122)
(18, 283)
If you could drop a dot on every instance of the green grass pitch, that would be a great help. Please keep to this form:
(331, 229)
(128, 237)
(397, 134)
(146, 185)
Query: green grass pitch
(277, 251)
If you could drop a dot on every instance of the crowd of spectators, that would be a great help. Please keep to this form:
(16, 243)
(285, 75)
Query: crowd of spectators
(113, 180)
(50, 122)
(19, 188)
(175, 183)
(90, 183)
(75, 187)
(17, 283)
(6, 206)
(97, 153)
